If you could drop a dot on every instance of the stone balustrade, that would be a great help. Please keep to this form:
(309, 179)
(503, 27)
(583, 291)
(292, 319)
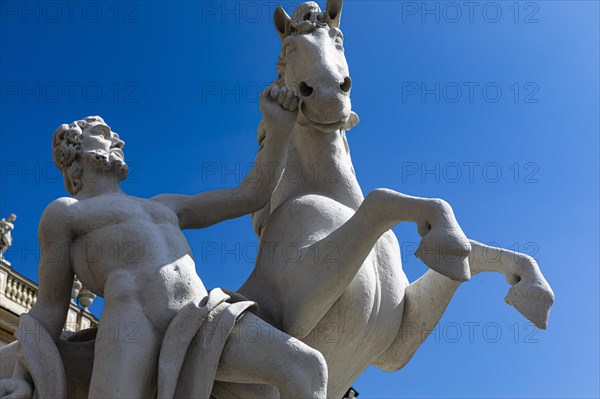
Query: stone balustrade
(18, 294)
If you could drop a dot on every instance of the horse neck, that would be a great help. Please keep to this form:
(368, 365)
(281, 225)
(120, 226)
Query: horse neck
(318, 163)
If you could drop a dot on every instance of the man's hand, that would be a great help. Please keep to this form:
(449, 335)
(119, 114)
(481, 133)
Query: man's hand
(15, 388)
(279, 106)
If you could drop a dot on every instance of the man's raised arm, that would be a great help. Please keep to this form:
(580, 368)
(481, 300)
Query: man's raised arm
(278, 106)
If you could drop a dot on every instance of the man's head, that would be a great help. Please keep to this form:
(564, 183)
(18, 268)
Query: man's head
(87, 142)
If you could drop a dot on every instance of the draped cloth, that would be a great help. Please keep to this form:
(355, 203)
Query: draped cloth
(188, 359)
(193, 344)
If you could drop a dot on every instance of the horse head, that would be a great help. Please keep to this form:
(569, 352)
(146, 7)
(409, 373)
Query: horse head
(312, 63)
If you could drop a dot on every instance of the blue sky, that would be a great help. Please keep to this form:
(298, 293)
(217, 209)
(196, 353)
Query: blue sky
(492, 106)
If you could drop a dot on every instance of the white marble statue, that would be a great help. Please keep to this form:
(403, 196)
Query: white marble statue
(328, 272)
(161, 333)
(6, 227)
(329, 269)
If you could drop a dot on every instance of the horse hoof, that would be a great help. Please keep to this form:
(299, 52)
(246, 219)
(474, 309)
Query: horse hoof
(533, 301)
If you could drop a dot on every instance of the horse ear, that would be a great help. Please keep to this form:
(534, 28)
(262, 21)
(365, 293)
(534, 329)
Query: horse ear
(333, 13)
(282, 22)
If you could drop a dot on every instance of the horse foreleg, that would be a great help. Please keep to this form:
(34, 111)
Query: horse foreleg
(443, 246)
(427, 299)
(530, 293)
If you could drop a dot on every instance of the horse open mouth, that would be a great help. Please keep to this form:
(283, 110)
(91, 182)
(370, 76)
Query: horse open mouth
(328, 126)
(325, 126)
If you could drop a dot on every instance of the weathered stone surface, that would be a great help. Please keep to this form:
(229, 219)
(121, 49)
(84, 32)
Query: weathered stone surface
(342, 294)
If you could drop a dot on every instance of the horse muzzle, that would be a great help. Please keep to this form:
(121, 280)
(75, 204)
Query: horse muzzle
(326, 117)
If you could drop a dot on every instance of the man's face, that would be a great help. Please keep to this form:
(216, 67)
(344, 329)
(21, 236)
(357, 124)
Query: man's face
(103, 149)
(99, 142)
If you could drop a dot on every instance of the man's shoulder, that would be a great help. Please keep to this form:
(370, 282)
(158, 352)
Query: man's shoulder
(62, 204)
(58, 212)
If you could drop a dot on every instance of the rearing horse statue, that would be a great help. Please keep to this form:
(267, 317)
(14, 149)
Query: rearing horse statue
(329, 268)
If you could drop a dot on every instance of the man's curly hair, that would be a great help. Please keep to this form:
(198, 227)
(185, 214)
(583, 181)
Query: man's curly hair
(66, 151)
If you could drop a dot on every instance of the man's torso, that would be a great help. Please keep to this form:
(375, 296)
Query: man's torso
(139, 242)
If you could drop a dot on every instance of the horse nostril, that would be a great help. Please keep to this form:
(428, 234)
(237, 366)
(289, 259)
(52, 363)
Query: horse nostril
(346, 84)
(305, 90)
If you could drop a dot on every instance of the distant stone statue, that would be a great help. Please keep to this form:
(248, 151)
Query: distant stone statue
(173, 339)
(6, 227)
